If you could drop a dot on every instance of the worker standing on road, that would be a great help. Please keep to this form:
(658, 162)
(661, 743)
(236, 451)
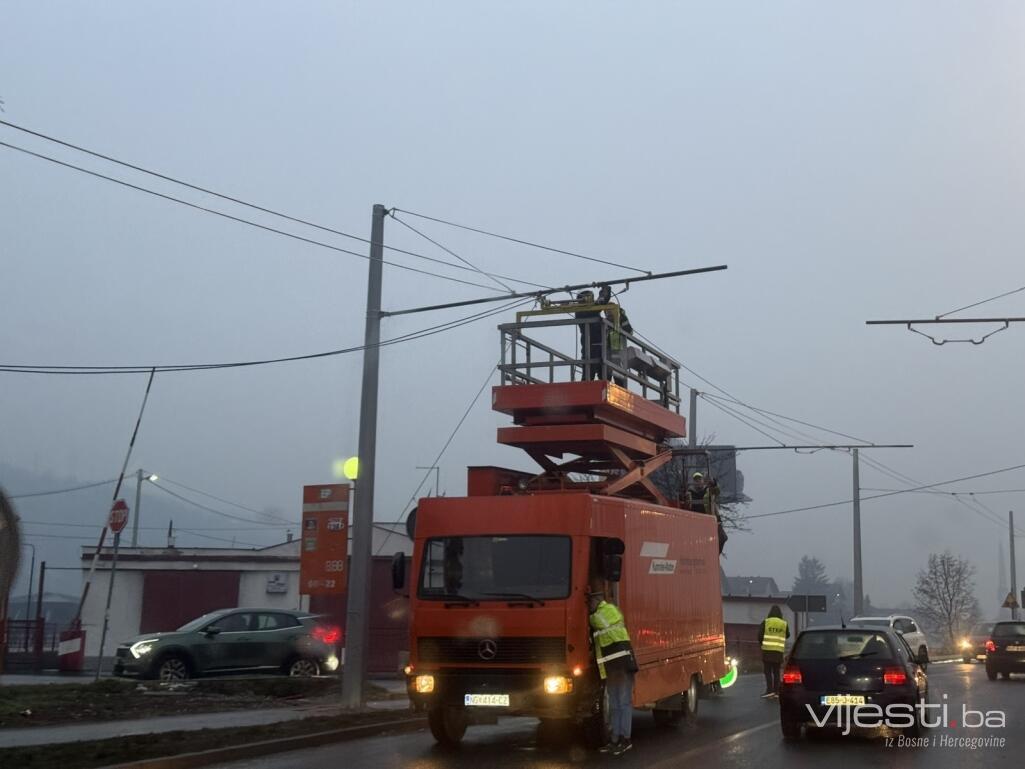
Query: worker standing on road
(616, 666)
(773, 635)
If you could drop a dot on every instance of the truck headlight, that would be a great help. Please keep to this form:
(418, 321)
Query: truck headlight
(423, 684)
(142, 648)
(331, 663)
(558, 685)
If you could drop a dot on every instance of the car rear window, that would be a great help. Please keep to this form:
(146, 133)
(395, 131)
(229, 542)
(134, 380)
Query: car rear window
(1009, 630)
(842, 644)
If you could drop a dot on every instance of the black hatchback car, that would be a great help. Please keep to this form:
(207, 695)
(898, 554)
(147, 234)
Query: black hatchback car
(851, 677)
(1005, 650)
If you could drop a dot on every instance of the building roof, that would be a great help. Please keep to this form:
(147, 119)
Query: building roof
(754, 587)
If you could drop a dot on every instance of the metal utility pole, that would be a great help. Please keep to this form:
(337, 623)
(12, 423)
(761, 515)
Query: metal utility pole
(357, 619)
(1014, 578)
(692, 425)
(31, 578)
(859, 591)
(138, 500)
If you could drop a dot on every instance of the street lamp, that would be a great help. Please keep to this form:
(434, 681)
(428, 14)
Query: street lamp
(140, 475)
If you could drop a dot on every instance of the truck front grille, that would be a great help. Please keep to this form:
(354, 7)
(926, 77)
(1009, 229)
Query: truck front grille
(501, 650)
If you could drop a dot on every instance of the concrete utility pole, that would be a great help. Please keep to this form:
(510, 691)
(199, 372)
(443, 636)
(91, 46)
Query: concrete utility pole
(859, 591)
(1014, 577)
(357, 616)
(692, 424)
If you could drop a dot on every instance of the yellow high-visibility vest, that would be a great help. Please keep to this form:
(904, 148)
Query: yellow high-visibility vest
(775, 637)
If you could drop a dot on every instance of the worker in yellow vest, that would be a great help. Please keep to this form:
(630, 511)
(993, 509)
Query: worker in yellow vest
(616, 666)
(772, 635)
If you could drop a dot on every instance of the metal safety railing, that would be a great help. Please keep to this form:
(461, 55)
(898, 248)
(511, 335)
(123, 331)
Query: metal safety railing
(604, 352)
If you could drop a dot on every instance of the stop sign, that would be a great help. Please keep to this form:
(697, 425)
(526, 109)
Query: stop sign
(118, 516)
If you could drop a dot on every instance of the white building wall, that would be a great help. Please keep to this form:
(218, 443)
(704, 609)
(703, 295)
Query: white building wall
(125, 610)
(252, 589)
(737, 611)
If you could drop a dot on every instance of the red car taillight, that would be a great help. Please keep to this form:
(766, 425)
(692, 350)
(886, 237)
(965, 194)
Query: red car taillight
(895, 677)
(990, 646)
(792, 675)
(329, 635)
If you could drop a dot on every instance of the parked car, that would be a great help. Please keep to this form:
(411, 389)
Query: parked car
(833, 670)
(904, 625)
(233, 641)
(973, 645)
(1005, 650)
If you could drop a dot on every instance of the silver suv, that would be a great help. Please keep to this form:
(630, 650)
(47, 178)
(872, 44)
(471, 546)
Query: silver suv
(904, 625)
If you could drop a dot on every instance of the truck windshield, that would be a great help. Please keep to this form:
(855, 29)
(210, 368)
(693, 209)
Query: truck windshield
(485, 568)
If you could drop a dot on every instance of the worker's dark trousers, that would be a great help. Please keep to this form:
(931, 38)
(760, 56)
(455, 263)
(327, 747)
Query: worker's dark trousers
(771, 668)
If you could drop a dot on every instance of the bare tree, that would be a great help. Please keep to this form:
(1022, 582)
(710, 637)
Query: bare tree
(673, 476)
(945, 596)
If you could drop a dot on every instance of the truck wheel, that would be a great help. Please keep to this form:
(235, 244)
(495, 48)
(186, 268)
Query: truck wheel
(448, 725)
(692, 697)
(595, 728)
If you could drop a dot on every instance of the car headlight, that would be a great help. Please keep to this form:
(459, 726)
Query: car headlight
(142, 648)
(966, 644)
(424, 684)
(558, 685)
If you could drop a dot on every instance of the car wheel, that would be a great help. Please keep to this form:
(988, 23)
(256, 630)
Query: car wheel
(790, 727)
(1006, 675)
(991, 674)
(303, 667)
(173, 668)
(923, 655)
(448, 725)
(966, 660)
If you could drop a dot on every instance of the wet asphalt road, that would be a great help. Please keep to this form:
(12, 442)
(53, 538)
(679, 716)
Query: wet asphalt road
(735, 730)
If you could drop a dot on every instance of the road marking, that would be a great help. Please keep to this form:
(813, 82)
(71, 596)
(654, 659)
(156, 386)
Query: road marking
(718, 744)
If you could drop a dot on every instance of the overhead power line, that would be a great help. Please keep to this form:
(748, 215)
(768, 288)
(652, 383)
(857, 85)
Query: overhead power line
(888, 494)
(251, 223)
(223, 196)
(64, 491)
(523, 242)
(205, 507)
(136, 369)
(984, 301)
(164, 478)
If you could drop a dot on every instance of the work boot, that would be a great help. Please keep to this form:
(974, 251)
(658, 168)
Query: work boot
(608, 747)
(618, 749)
(626, 745)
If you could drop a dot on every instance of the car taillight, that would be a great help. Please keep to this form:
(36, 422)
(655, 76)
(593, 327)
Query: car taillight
(895, 677)
(990, 646)
(792, 675)
(329, 635)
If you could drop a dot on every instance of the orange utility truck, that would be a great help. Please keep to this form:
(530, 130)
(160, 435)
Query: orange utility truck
(499, 578)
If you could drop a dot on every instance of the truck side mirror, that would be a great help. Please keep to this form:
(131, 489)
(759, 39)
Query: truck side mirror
(612, 567)
(398, 571)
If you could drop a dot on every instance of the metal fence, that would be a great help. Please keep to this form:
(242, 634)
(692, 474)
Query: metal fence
(635, 365)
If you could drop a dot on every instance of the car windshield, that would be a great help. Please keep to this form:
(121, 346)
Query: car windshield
(983, 628)
(871, 622)
(199, 622)
(842, 644)
(488, 568)
(1009, 630)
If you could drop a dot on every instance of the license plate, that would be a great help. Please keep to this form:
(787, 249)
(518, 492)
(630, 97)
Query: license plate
(842, 699)
(1016, 648)
(486, 700)
(980, 656)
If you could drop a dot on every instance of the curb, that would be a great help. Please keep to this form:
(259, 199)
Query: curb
(269, 747)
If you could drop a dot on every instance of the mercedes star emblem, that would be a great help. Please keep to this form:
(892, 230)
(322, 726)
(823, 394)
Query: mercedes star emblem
(487, 649)
(841, 669)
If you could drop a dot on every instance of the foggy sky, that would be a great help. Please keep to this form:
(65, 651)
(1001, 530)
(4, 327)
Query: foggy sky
(847, 162)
